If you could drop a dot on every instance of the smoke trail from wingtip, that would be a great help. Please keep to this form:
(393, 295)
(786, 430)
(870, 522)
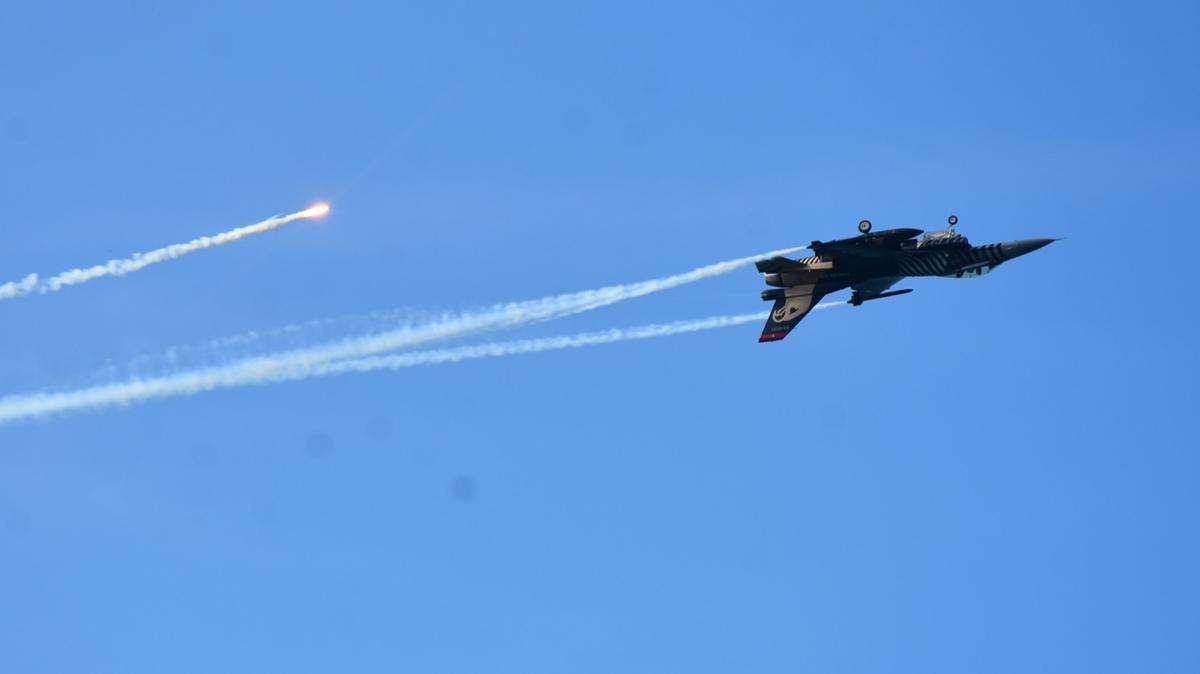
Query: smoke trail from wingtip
(497, 317)
(34, 284)
(284, 365)
(266, 370)
(526, 346)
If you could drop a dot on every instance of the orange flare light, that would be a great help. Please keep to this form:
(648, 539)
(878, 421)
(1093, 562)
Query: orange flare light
(315, 211)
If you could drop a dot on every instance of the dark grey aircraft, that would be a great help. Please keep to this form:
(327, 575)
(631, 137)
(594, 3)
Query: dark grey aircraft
(872, 263)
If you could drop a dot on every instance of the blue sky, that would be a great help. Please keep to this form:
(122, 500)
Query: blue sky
(991, 475)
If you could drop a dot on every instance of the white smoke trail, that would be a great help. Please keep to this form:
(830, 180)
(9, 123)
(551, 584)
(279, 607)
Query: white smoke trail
(524, 346)
(138, 261)
(270, 367)
(273, 369)
(287, 337)
(497, 317)
(502, 316)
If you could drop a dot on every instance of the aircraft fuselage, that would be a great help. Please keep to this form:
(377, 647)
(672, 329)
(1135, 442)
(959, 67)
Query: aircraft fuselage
(870, 264)
(840, 273)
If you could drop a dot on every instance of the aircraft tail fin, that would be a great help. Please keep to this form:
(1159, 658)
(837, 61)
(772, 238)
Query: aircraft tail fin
(791, 306)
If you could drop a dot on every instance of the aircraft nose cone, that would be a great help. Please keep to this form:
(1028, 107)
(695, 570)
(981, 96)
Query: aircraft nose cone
(1024, 246)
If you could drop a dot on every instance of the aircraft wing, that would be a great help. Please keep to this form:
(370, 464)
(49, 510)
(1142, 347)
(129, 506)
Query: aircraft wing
(789, 310)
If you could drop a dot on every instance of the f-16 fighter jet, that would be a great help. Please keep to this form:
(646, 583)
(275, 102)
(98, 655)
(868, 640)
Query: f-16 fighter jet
(872, 263)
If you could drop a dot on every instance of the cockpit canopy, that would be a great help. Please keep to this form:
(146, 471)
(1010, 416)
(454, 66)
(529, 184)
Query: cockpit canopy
(947, 238)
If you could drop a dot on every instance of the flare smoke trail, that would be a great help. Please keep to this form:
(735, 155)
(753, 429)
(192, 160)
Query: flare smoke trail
(268, 370)
(279, 366)
(138, 261)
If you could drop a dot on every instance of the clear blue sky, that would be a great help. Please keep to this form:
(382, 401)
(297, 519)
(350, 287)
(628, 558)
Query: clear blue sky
(994, 475)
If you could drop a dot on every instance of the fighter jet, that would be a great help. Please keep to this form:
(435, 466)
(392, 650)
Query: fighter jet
(870, 264)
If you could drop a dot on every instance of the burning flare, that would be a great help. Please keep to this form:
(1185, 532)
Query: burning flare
(138, 261)
(317, 210)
